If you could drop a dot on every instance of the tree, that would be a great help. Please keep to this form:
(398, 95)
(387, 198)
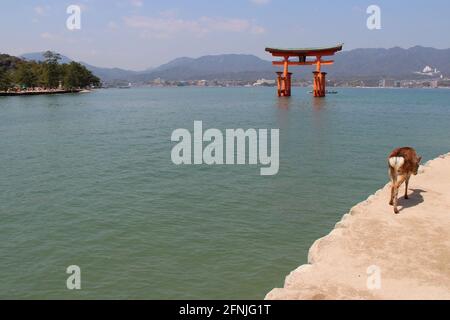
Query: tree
(47, 74)
(5, 80)
(71, 76)
(25, 76)
(8, 62)
(77, 76)
(51, 72)
(52, 57)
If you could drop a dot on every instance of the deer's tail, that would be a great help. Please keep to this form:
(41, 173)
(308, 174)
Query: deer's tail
(395, 164)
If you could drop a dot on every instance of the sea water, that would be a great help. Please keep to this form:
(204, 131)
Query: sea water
(87, 180)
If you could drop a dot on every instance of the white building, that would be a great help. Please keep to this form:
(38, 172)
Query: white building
(264, 82)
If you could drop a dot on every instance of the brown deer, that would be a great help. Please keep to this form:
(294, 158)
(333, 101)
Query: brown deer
(403, 163)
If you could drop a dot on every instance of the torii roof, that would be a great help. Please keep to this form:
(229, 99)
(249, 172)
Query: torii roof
(324, 51)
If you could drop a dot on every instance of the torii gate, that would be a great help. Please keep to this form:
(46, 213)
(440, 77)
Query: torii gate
(284, 80)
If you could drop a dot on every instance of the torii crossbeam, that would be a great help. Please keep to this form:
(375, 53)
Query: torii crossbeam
(284, 80)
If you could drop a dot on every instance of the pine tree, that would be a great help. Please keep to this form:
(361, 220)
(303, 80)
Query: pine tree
(25, 76)
(5, 80)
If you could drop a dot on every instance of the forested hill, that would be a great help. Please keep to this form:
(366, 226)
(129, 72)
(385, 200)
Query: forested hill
(17, 74)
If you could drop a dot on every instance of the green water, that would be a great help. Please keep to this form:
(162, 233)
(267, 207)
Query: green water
(88, 180)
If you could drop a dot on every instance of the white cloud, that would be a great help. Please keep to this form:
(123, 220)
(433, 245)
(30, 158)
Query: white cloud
(167, 26)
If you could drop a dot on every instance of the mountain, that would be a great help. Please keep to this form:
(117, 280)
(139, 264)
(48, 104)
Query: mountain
(111, 74)
(395, 63)
(175, 63)
(226, 66)
(225, 63)
(106, 74)
(358, 64)
(39, 56)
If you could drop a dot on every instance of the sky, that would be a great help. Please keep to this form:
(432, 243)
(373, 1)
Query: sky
(140, 34)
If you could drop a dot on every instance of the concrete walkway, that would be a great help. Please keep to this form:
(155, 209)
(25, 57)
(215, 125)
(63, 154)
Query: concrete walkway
(374, 254)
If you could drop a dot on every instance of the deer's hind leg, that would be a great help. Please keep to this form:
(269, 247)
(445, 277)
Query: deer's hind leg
(400, 180)
(393, 176)
(407, 187)
(391, 202)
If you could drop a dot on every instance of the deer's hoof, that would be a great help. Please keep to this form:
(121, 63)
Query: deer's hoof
(391, 203)
(396, 211)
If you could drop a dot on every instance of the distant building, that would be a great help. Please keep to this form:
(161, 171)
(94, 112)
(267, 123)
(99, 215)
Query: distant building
(444, 83)
(264, 83)
(158, 82)
(429, 71)
(434, 84)
(388, 83)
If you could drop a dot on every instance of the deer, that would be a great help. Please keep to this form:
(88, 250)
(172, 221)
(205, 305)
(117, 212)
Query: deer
(403, 163)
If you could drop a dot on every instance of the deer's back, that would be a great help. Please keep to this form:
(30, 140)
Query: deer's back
(408, 155)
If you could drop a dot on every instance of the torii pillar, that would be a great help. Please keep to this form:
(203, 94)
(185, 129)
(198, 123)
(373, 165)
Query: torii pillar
(284, 79)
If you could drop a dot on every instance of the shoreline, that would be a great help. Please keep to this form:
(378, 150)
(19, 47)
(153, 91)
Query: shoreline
(39, 93)
(411, 250)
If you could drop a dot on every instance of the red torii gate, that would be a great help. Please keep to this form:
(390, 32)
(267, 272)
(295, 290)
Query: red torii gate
(284, 80)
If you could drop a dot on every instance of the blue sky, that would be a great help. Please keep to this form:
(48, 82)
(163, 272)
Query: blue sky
(138, 34)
